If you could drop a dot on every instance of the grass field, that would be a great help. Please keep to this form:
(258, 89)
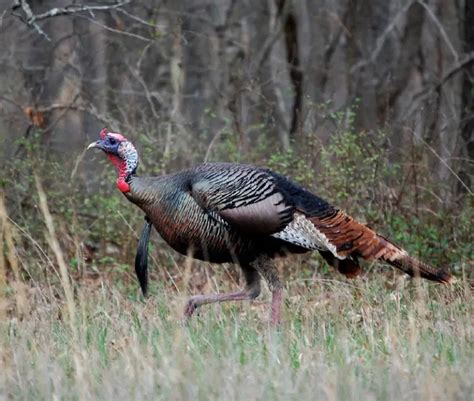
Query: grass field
(340, 340)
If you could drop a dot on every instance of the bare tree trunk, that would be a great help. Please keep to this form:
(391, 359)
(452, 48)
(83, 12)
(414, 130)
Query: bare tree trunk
(467, 109)
(181, 71)
(290, 28)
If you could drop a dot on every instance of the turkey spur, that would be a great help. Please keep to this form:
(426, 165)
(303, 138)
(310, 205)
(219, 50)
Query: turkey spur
(224, 212)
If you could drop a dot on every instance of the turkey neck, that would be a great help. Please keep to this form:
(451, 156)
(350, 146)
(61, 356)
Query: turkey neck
(167, 202)
(161, 198)
(146, 192)
(126, 164)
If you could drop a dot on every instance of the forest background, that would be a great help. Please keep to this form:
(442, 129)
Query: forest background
(369, 104)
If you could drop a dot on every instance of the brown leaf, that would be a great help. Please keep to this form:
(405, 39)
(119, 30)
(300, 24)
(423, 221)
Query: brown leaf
(36, 117)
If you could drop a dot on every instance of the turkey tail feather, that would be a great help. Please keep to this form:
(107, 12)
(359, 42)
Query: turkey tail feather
(414, 267)
(351, 238)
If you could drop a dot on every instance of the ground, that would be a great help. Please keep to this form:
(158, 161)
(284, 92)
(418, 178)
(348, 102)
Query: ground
(373, 338)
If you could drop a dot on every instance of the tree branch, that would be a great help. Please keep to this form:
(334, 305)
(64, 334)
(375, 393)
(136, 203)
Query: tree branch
(32, 19)
(382, 39)
(442, 31)
(464, 62)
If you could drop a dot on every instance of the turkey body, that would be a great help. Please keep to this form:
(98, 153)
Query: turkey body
(222, 212)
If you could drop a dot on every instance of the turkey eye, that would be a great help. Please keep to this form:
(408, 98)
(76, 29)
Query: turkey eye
(112, 141)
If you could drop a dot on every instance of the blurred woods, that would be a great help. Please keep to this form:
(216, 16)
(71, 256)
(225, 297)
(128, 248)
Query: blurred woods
(272, 82)
(179, 71)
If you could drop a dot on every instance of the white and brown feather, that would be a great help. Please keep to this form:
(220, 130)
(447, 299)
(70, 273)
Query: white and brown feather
(302, 232)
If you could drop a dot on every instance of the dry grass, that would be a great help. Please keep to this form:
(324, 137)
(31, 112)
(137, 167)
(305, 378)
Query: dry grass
(337, 342)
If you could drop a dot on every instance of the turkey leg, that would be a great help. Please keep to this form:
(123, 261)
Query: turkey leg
(267, 269)
(251, 291)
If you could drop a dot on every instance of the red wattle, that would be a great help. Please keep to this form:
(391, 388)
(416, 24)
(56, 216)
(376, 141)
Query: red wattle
(117, 161)
(122, 185)
(121, 167)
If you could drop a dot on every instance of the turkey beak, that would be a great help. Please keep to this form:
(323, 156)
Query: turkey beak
(95, 144)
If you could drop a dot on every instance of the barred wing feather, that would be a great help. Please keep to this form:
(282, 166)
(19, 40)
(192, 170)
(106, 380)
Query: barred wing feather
(243, 196)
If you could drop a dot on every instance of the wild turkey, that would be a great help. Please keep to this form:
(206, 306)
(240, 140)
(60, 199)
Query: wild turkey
(223, 212)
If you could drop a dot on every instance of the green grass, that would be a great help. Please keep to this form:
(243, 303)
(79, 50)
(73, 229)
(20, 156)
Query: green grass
(340, 340)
